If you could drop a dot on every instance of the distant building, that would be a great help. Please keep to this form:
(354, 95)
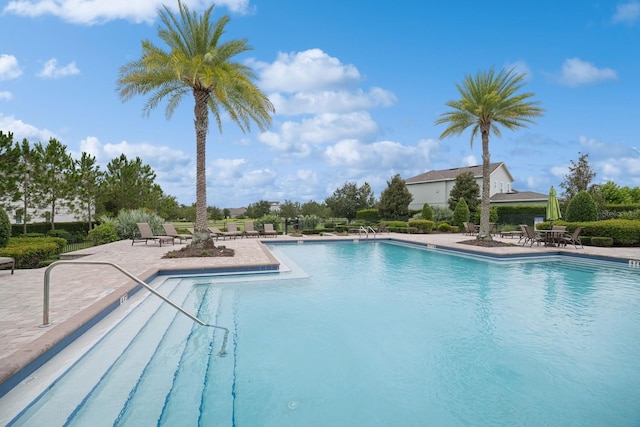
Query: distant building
(434, 187)
(275, 207)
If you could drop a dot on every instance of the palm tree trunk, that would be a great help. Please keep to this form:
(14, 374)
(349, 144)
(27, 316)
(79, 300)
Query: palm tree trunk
(484, 233)
(201, 125)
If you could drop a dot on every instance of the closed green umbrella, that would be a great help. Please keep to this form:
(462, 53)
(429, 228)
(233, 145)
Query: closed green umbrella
(553, 208)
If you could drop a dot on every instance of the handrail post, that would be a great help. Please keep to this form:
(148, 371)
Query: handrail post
(45, 305)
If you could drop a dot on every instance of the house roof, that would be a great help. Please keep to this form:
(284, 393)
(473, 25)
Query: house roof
(519, 196)
(451, 174)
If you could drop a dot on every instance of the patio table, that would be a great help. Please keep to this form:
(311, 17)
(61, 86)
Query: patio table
(552, 237)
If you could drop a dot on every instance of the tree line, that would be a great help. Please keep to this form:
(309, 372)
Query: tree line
(41, 178)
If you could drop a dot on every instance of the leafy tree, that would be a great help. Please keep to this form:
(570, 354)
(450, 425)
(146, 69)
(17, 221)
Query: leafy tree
(395, 199)
(465, 188)
(461, 213)
(127, 184)
(5, 228)
(9, 157)
(312, 208)
(347, 200)
(88, 178)
(215, 213)
(187, 213)
(579, 177)
(226, 212)
(258, 209)
(25, 185)
(53, 177)
(198, 63)
(488, 101)
(427, 212)
(582, 207)
(289, 209)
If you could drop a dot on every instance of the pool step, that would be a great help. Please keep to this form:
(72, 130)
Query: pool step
(78, 386)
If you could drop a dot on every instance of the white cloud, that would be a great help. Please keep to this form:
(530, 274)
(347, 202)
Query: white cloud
(51, 70)
(383, 155)
(22, 130)
(9, 68)
(90, 12)
(6, 96)
(627, 13)
(331, 101)
(298, 137)
(470, 160)
(311, 70)
(576, 72)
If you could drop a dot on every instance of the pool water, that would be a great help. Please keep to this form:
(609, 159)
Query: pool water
(371, 334)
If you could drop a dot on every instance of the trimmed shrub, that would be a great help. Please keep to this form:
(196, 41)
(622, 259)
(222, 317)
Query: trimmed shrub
(427, 212)
(422, 225)
(32, 252)
(442, 214)
(103, 234)
(60, 233)
(5, 228)
(445, 227)
(601, 241)
(585, 240)
(582, 207)
(367, 215)
(461, 213)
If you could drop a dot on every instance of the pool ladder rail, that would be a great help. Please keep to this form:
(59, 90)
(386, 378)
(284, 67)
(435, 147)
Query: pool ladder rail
(366, 231)
(45, 311)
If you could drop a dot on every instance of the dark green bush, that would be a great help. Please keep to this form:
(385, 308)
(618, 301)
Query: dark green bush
(64, 234)
(427, 212)
(585, 240)
(493, 215)
(582, 207)
(33, 235)
(367, 215)
(422, 225)
(445, 227)
(602, 241)
(5, 228)
(103, 233)
(461, 213)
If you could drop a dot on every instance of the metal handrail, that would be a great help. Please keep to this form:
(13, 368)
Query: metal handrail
(366, 231)
(47, 274)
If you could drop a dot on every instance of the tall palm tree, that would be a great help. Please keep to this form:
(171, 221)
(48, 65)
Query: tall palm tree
(489, 100)
(197, 62)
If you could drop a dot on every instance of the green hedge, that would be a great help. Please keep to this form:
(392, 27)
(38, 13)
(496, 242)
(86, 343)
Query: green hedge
(624, 232)
(602, 241)
(422, 225)
(44, 227)
(30, 252)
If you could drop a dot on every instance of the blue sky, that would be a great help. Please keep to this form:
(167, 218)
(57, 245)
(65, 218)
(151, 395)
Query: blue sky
(357, 86)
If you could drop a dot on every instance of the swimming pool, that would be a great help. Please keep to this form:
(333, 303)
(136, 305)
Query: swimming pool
(370, 334)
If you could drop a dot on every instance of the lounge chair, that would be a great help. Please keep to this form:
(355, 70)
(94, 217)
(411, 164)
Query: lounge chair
(6, 261)
(249, 230)
(170, 230)
(382, 228)
(269, 231)
(232, 229)
(215, 232)
(469, 228)
(530, 236)
(573, 238)
(145, 234)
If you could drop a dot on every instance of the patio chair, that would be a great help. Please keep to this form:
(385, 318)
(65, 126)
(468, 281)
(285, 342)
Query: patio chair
(170, 230)
(382, 228)
(469, 228)
(215, 232)
(249, 230)
(6, 261)
(573, 238)
(232, 229)
(145, 234)
(269, 231)
(530, 236)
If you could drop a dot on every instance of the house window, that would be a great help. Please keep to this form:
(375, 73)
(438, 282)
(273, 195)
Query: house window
(501, 187)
